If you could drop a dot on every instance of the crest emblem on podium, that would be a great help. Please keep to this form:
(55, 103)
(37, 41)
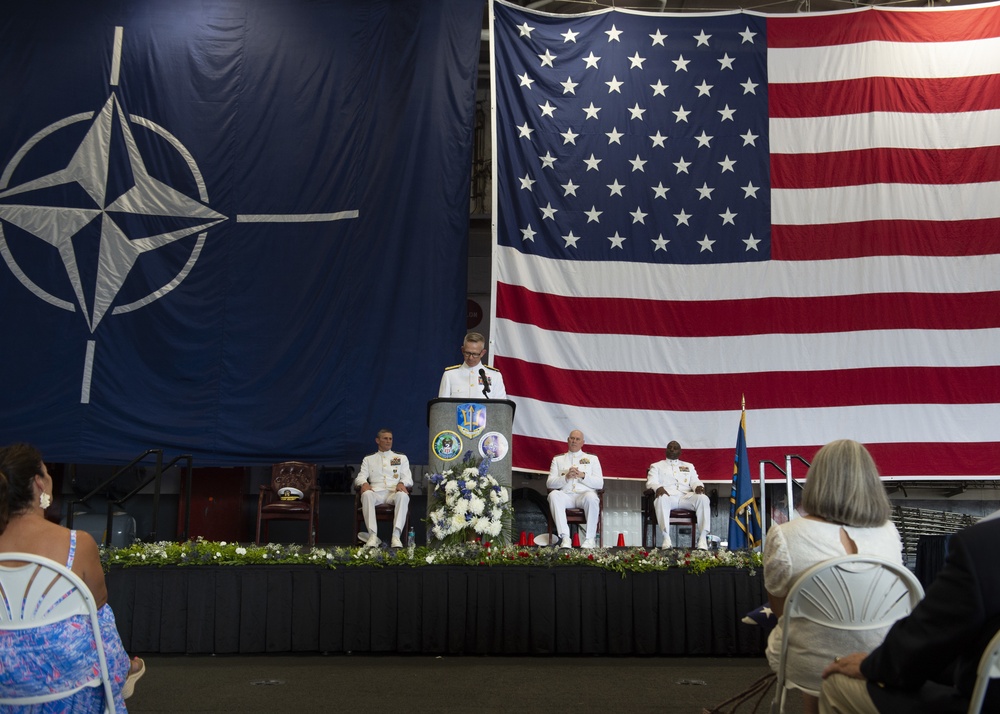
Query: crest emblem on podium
(471, 419)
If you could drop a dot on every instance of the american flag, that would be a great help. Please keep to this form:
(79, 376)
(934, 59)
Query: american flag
(802, 209)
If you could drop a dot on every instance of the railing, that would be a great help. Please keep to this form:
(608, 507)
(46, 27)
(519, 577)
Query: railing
(789, 483)
(155, 478)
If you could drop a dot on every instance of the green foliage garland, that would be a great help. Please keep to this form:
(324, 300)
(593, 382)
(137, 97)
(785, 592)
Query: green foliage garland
(622, 560)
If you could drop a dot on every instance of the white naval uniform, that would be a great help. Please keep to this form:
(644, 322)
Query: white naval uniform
(382, 471)
(575, 492)
(680, 479)
(464, 381)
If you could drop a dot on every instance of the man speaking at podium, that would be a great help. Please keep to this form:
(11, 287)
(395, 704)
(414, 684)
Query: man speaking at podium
(472, 378)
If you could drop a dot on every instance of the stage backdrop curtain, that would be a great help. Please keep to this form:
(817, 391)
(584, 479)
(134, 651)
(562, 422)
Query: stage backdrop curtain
(802, 209)
(436, 610)
(228, 225)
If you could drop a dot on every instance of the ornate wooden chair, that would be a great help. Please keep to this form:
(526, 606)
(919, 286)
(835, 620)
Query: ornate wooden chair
(678, 517)
(291, 496)
(577, 517)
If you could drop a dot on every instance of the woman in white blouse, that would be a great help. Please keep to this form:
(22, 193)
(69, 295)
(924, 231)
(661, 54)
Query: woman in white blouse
(845, 511)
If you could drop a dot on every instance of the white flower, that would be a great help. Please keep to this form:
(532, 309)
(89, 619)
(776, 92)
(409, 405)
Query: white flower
(471, 474)
(476, 505)
(241, 551)
(222, 542)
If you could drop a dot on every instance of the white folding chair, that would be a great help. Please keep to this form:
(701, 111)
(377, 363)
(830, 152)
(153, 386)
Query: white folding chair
(989, 669)
(36, 591)
(853, 592)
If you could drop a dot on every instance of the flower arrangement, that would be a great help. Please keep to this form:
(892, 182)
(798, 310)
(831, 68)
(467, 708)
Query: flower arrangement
(469, 503)
(468, 553)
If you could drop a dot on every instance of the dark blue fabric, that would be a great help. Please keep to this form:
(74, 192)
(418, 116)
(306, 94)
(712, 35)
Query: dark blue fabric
(292, 338)
(587, 86)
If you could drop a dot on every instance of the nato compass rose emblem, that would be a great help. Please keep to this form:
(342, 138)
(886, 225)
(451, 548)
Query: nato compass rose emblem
(103, 192)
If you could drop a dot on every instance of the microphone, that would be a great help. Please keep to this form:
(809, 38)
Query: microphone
(486, 383)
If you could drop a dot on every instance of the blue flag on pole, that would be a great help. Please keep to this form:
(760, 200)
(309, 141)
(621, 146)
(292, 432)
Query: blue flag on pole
(744, 514)
(227, 227)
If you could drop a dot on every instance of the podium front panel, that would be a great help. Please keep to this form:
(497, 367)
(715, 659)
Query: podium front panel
(457, 426)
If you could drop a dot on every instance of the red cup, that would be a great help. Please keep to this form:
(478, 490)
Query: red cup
(621, 540)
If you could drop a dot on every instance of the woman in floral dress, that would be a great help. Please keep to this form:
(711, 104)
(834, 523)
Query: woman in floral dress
(60, 656)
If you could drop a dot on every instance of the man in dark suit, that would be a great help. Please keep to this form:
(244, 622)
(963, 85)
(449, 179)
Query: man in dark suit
(928, 660)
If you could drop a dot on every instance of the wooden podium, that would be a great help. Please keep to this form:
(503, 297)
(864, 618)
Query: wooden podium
(482, 426)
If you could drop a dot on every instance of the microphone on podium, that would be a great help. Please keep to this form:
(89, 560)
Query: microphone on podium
(486, 383)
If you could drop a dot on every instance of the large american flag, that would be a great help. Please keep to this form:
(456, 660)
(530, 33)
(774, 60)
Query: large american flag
(804, 210)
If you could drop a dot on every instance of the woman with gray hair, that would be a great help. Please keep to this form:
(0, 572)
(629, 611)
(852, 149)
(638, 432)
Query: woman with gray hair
(845, 511)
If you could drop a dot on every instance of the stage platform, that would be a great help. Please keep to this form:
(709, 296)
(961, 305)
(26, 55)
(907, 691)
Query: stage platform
(448, 610)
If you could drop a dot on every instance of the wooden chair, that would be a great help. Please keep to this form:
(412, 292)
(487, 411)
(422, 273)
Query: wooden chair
(383, 512)
(678, 517)
(271, 506)
(36, 592)
(578, 517)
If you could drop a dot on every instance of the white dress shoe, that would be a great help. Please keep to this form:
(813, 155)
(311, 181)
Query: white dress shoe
(589, 543)
(396, 542)
(702, 544)
(666, 543)
(373, 541)
(565, 542)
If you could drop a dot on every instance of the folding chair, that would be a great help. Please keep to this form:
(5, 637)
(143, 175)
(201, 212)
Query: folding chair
(37, 592)
(989, 669)
(854, 592)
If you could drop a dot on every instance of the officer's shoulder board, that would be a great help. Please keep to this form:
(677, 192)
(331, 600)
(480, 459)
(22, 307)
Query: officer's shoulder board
(454, 366)
(492, 369)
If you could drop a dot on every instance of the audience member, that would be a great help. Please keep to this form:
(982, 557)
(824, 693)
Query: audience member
(472, 378)
(846, 511)
(575, 478)
(60, 656)
(384, 478)
(928, 660)
(675, 484)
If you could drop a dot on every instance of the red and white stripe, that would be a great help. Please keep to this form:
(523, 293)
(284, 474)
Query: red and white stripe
(878, 317)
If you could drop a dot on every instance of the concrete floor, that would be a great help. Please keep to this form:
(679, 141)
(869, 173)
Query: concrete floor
(400, 684)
